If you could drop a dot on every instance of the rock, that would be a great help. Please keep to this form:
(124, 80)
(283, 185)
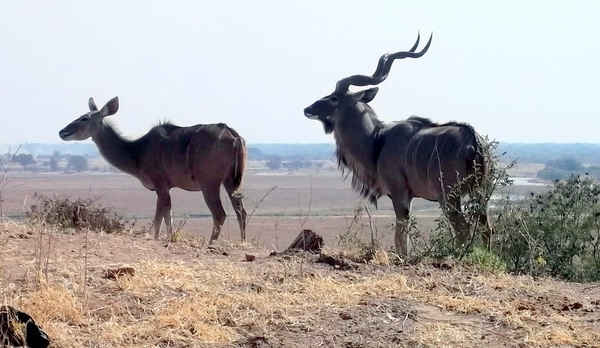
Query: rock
(307, 240)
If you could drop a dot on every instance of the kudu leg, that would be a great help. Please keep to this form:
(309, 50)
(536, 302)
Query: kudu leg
(487, 229)
(401, 237)
(213, 201)
(237, 203)
(163, 212)
(457, 220)
(401, 203)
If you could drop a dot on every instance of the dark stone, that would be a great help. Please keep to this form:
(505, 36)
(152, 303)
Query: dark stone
(307, 240)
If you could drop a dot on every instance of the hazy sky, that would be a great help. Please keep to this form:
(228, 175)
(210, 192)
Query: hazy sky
(519, 71)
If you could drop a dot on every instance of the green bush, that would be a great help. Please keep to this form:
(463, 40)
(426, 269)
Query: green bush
(442, 240)
(553, 233)
(483, 259)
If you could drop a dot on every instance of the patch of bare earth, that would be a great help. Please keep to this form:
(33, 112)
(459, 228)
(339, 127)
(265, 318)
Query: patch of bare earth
(190, 295)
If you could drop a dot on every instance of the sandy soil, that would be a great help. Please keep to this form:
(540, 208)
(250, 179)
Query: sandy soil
(284, 300)
(320, 201)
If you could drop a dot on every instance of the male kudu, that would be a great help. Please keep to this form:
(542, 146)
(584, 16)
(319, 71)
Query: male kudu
(406, 159)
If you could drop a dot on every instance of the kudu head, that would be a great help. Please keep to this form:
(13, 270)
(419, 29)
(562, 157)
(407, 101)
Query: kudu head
(330, 108)
(90, 123)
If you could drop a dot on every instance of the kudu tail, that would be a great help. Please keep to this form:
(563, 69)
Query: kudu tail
(479, 161)
(484, 163)
(241, 159)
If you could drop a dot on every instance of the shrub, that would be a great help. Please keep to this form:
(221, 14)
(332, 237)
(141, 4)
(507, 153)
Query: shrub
(442, 240)
(80, 214)
(352, 241)
(553, 233)
(483, 259)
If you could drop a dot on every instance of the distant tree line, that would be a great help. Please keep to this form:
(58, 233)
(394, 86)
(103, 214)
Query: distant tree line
(525, 153)
(44, 163)
(75, 156)
(563, 168)
(291, 152)
(276, 162)
(543, 153)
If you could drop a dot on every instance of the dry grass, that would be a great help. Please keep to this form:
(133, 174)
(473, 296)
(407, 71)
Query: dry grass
(211, 297)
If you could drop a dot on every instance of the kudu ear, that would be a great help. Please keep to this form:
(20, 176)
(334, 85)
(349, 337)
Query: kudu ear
(366, 95)
(92, 104)
(110, 108)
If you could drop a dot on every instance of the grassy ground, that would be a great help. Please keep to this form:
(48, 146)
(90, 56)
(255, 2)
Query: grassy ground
(190, 295)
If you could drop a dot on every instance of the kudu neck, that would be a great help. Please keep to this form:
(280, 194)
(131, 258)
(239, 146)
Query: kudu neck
(118, 151)
(355, 131)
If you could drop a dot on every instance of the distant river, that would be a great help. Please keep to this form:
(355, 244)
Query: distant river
(518, 181)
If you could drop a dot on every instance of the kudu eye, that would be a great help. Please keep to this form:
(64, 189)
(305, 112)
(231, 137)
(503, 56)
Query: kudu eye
(334, 99)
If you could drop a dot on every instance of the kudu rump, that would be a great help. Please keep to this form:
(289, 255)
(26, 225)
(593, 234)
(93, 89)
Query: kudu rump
(406, 159)
(196, 158)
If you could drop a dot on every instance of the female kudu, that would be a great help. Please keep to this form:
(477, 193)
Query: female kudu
(195, 158)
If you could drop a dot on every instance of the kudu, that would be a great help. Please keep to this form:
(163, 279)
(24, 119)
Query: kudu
(196, 158)
(406, 159)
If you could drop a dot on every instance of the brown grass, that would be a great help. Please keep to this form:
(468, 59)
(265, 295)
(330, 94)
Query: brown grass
(191, 296)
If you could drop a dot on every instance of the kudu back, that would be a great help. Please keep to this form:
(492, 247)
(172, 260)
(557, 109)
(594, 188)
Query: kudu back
(196, 158)
(407, 159)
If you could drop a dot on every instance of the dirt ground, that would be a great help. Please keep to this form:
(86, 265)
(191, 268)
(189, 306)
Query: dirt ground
(192, 295)
(281, 203)
(188, 294)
